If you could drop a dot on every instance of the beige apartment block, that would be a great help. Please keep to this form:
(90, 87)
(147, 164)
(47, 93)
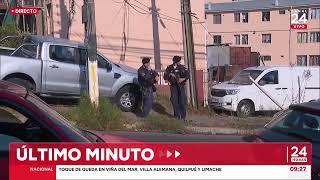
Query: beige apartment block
(264, 25)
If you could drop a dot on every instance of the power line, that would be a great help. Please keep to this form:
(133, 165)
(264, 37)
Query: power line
(101, 34)
(167, 16)
(142, 4)
(148, 12)
(205, 28)
(177, 21)
(117, 1)
(170, 17)
(143, 11)
(171, 36)
(135, 8)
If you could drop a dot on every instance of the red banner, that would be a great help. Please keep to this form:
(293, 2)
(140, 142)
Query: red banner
(39, 161)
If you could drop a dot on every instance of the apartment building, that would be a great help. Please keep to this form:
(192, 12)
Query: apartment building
(3, 7)
(265, 26)
(125, 28)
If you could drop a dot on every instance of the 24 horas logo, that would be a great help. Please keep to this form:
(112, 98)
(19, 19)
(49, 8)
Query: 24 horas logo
(299, 19)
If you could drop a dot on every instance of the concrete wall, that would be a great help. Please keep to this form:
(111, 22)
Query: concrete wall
(109, 20)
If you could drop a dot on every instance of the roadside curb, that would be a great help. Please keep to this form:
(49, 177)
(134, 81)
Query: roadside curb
(221, 131)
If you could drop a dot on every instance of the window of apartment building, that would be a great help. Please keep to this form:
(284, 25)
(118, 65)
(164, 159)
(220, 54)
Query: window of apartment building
(302, 60)
(245, 39)
(303, 12)
(217, 39)
(266, 38)
(237, 39)
(206, 6)
(314, 60)
(266, 16)
(314, 37)
(302, 37)
(315, 14)
(245, 17)
(282, 11)
(236, 17)
(217, 19)
(266, 58)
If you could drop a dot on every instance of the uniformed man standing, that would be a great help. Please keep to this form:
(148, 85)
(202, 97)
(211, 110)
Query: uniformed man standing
(147, 79)
(177, 75)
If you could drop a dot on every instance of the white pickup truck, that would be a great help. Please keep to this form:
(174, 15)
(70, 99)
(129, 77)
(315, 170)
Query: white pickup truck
(57, 67)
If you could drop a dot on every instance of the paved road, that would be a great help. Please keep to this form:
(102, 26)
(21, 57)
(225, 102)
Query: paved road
(167, 137)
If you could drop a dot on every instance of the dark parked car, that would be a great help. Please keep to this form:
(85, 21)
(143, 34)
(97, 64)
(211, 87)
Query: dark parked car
(26, 118)
(301, 123)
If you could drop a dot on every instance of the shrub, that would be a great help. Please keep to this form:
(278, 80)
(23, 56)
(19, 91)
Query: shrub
(163, 100)
(11, 30)
(105, 116)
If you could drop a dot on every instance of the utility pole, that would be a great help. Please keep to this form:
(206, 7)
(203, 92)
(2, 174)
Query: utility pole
(88, 18)
(156, 42)
(189, 50)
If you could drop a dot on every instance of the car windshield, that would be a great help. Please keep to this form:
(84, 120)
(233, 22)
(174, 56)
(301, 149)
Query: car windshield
(298, 124)
(243, 77)
(70, 129)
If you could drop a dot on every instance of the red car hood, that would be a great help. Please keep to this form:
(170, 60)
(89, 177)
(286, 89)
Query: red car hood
(115, 139)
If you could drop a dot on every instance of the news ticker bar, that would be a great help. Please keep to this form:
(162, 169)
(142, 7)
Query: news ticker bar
(203, 172)
(160, 161)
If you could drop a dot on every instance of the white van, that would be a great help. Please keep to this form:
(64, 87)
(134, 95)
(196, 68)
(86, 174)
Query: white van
(286, 85)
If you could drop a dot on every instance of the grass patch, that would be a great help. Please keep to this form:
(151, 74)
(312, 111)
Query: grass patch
(163, 100)
(109, 117)
(201, 111)
(68, 112)
(156, 122)
(106, 116)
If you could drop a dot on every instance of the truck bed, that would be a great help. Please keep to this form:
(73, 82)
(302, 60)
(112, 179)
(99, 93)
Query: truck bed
(17, 65)
(6, 50)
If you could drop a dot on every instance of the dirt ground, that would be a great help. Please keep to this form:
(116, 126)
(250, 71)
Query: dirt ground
(201, 118)
(208, 118)
(224, 120)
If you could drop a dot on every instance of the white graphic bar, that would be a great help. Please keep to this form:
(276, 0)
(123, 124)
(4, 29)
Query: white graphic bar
(181, 172)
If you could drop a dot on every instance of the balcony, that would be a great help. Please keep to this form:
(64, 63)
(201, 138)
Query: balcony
(3, 4)
(30, 3)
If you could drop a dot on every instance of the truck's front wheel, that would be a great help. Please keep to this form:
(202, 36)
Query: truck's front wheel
(128, 98)
(245, 108)
(30, 86)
